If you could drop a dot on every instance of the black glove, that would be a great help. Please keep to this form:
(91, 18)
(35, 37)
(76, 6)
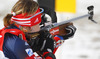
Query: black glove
(49, 56)
(70, 31)
(45, 34)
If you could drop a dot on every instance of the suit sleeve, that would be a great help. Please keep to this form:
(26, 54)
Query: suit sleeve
(16, 48)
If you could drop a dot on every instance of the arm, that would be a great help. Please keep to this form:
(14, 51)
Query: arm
(15, 48)
(59, 39)
(47, 46)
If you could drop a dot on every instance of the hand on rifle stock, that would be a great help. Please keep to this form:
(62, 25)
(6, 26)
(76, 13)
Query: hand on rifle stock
(67, 30)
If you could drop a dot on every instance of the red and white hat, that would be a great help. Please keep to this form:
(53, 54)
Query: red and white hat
(24, 20)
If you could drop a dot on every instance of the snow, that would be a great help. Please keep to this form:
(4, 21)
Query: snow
(86, 42)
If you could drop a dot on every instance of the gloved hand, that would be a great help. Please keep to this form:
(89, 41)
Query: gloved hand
(44, 34)
(49, 55)
(70, 31)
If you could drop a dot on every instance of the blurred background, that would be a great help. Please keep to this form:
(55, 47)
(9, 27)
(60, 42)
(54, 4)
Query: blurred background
(86, 42)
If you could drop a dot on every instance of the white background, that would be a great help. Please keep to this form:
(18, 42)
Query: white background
(86, 42)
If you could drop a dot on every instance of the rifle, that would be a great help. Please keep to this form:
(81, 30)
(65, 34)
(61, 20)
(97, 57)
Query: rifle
(56, 28)
(59, 28)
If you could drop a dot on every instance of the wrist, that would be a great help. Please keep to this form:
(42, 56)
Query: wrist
(58, 38)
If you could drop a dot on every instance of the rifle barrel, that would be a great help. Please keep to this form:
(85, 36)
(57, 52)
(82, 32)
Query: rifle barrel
(70, 20)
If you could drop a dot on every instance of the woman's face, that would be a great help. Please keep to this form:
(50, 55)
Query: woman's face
(31, 29)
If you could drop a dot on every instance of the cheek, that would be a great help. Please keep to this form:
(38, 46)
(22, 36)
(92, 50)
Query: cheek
(35, 28)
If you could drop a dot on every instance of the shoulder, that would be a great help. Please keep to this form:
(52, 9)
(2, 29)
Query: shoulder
(10, 38)
(9, 35)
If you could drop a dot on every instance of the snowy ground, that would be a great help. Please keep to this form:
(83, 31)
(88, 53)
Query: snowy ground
(86, 42)
(84, 45)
